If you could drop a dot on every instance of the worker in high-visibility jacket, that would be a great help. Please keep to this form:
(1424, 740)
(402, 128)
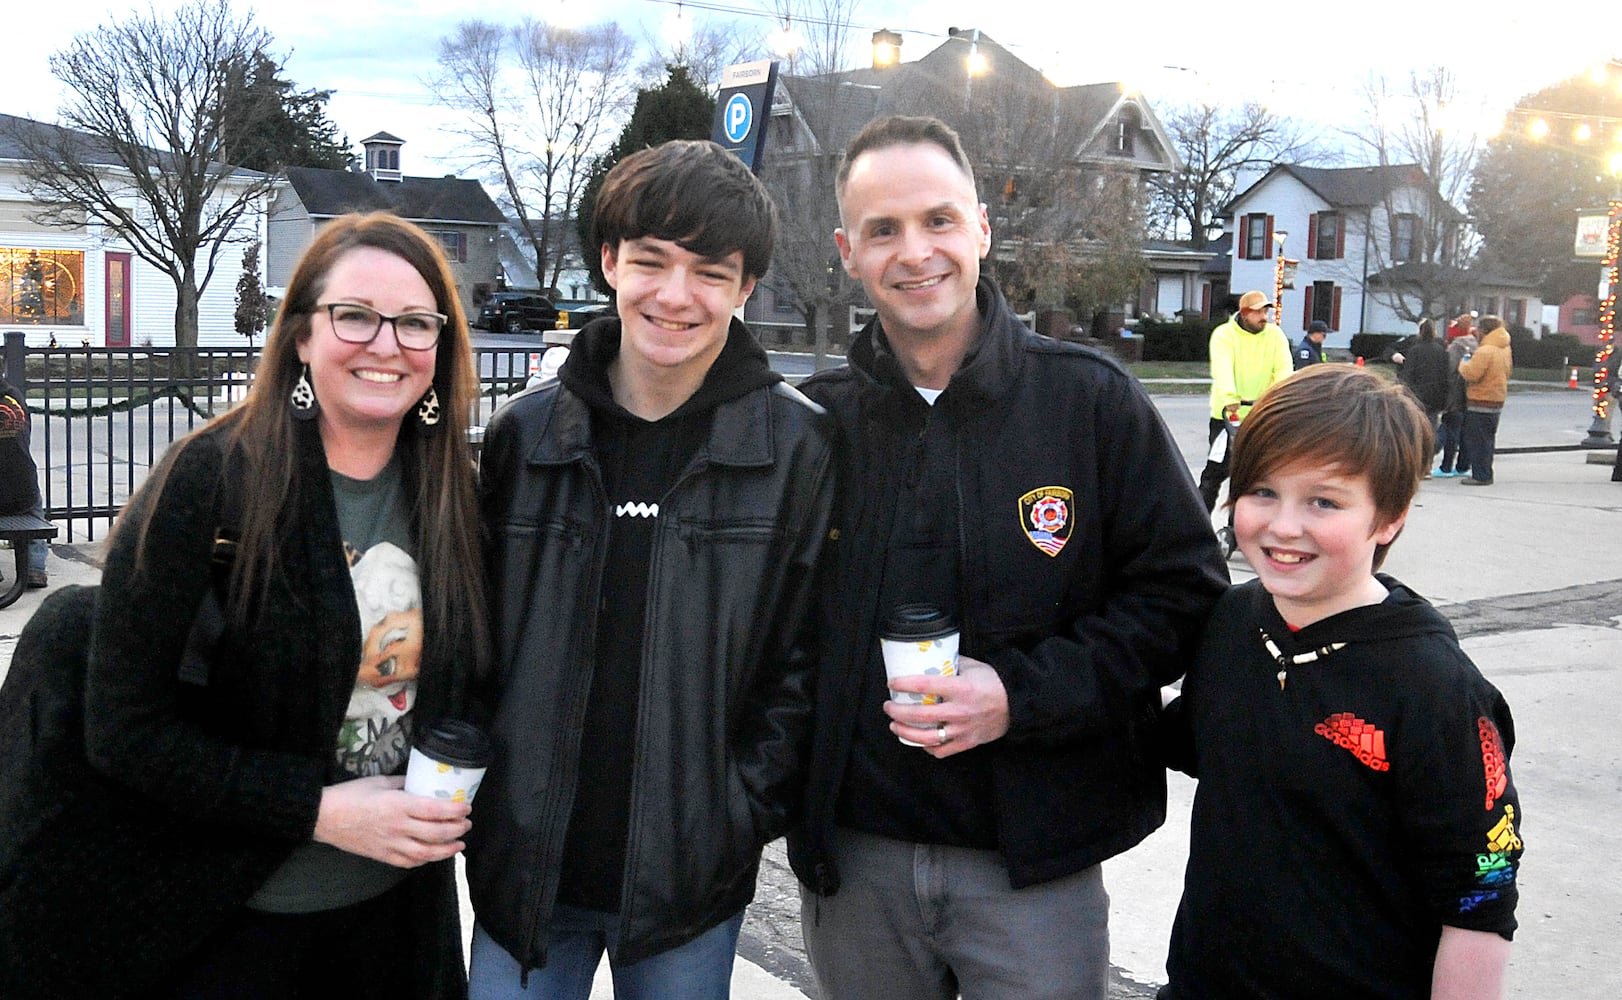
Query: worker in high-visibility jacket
(1248, 354)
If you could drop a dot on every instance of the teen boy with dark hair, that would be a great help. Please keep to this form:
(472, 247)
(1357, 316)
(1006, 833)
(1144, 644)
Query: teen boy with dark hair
(1354, 829)
(653, 518)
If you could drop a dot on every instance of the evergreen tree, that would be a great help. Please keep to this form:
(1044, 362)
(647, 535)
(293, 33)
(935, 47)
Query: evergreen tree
(676, 109)
(267, 124)
(253, 309)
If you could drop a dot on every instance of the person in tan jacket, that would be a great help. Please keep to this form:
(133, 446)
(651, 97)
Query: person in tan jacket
(1486, 384)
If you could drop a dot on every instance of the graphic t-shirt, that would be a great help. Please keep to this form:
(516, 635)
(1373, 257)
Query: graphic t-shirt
(375, 737)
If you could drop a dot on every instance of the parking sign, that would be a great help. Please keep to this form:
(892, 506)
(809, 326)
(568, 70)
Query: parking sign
(742, 109)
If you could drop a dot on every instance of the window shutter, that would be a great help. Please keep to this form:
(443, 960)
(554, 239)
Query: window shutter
(461, 248)
(1334, 314)
(1205, 301)
(1340, 241)
(1306, 311)
(1312, 235)
(1267, 244)
(1244, 237)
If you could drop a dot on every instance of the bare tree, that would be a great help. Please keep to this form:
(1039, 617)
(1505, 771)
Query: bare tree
(143, 149)
(708, 48)
(541, 101)
(1419, 260)
(801, 166)
(1216, 144)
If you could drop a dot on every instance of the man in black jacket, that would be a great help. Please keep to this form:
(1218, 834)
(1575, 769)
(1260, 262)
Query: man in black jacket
(653, 519)
(1029, 489)
(1311, 349)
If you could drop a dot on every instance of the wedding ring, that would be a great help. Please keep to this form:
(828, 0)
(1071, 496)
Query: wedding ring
(940, 731)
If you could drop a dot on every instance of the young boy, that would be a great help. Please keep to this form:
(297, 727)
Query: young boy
(1354, 829)
(653, 517)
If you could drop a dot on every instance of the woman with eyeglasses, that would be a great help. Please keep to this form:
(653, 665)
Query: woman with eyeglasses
(293, 592)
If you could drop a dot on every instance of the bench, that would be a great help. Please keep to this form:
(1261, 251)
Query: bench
(19, 530)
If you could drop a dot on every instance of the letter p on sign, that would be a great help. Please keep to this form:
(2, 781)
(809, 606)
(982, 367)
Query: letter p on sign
(739, 114)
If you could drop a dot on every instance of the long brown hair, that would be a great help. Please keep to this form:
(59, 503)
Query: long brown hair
(436, 461)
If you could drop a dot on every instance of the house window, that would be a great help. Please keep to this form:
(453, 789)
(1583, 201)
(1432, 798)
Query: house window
(1405, 238)
(453, 243)
(43, 287)
(1256, 247)
(1515, 312)
(1583, 316)
(1327, 246)
(1322, 304)
(1126, 129)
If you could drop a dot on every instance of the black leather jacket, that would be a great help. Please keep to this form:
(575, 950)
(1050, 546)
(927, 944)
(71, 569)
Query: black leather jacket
(724, 714)
(1082, 639)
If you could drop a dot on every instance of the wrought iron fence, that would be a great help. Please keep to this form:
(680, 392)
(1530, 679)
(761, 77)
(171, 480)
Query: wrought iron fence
(103, 416)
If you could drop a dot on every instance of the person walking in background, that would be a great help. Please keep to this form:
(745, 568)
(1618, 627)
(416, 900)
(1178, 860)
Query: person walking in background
(291, 594)
(1248, 354)
(1027, 489)
(1463, 325)
(1455, 459)
(19, 477)
(653, 520)
(1486, 376)
(1422, 368)
(1311, 349)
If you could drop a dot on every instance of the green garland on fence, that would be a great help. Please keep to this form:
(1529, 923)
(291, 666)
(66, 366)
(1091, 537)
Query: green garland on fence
(125, 406)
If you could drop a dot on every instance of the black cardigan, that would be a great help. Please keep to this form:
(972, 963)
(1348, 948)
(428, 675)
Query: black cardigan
(200, 782)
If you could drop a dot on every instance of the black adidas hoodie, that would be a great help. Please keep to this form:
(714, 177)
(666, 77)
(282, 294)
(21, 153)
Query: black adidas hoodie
(1344, 813)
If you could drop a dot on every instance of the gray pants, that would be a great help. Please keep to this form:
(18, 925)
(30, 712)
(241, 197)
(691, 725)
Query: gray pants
(926, 922)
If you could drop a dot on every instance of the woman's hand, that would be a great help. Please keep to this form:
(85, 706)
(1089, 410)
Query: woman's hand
(375, 818)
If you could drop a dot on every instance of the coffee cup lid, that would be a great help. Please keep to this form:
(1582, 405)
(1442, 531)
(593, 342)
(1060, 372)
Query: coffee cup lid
(458, 743)
(918, 621)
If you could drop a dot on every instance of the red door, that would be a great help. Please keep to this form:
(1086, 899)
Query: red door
(118, 300)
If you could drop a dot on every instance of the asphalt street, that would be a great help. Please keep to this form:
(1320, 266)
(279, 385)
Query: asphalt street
(1530, 573)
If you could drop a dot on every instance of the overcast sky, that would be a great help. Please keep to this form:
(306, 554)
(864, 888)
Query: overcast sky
(1304, 59)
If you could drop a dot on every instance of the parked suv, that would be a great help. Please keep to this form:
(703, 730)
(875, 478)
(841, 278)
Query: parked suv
(515, 312)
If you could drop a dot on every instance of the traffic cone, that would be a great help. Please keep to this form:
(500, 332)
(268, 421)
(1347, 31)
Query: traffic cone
(534, 365)
(1360, 361)
(1571, 383)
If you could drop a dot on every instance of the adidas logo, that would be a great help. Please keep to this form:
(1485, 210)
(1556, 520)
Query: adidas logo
(1366, 742)
(637, 510)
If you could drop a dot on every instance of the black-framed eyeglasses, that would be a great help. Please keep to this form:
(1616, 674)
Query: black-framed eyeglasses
(354, 323)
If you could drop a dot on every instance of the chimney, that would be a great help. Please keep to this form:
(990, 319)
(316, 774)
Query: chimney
(886, 48)
(383, 156)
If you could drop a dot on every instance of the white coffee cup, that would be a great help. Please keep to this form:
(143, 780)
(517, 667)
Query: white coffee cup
(448, 761)
(918, 639)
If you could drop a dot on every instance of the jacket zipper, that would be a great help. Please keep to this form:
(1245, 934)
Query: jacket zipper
(588, 646)
(649, 629)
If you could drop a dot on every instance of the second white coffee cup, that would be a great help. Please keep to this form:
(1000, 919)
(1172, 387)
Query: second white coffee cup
(918, 639)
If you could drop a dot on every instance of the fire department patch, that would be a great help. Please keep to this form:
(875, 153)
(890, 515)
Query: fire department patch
(1044, 513)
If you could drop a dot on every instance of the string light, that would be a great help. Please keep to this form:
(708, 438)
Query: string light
(1607, 316)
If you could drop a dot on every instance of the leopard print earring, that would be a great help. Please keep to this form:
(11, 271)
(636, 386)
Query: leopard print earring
(428, 408)
(305, 405)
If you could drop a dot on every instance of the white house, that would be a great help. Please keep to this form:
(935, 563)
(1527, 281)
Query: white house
(1377, 248)
(458, 213)
(85, 284)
